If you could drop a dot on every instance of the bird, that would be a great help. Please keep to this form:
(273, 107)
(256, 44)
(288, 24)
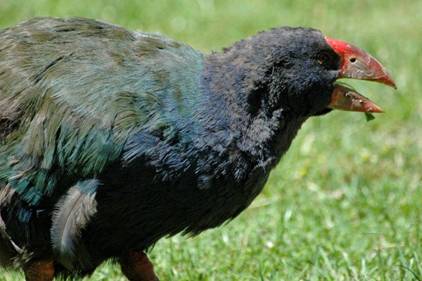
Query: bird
(112, 139)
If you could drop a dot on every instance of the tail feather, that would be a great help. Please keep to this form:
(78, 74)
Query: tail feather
(7, 251)
(73, 213)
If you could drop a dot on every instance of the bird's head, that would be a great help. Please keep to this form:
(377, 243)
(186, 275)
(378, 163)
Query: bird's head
(301, 67)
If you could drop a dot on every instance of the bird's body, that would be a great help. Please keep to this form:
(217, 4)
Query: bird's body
(111, 139)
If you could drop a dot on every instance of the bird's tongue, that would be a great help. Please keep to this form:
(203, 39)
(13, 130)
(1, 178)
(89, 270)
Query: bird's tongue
(344, 98)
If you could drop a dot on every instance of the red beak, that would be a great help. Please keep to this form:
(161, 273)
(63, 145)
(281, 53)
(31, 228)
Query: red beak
(356, 64)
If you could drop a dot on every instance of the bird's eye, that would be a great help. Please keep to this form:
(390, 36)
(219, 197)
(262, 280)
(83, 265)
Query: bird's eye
(352, 59)
(323, 58)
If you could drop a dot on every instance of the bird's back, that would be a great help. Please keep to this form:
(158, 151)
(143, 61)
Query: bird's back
(73, 93)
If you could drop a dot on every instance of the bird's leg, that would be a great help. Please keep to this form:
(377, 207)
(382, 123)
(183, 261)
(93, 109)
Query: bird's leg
(39, 270)
(137, 267)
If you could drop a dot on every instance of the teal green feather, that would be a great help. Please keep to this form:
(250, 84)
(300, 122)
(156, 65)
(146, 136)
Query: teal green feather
(76, 90)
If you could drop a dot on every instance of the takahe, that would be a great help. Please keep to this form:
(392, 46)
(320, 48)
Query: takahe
(111, 139)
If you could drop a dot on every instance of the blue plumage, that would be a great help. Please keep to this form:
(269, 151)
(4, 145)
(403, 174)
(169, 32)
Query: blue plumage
(111, 139)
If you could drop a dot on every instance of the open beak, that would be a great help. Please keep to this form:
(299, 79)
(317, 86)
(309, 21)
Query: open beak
(356, 64)
(344, 98)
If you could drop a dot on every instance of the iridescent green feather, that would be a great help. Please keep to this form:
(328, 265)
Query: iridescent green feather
(76, 91)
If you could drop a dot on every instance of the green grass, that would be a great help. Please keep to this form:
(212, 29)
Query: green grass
(345, 203)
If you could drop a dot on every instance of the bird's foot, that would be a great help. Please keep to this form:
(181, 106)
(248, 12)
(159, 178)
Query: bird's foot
(39, 270)
(137, 267)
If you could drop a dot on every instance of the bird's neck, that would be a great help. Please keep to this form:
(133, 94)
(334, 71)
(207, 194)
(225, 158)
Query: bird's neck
(238, 89)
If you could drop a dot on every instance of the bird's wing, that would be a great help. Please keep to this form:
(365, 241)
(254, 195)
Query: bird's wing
(72, 92)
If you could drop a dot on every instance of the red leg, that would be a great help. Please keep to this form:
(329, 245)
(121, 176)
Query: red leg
(39, 270)
(137, 267)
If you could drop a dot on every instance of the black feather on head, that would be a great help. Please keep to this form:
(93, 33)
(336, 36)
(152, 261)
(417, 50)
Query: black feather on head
(289, 68)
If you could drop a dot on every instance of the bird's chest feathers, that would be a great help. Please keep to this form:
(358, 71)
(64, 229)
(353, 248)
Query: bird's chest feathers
(216, 178)
(233, 171)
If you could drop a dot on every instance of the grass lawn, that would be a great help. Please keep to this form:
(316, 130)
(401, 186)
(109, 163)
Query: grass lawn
(345, 203)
